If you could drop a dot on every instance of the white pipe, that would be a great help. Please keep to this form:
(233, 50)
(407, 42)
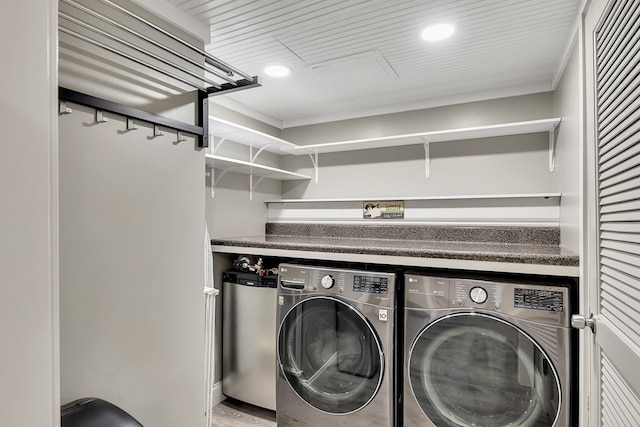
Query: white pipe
(210, 294)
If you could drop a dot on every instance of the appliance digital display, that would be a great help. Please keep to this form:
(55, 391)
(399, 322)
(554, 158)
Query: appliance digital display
(370, 285)
(538, 299)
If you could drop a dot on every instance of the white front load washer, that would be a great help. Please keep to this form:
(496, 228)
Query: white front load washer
(486, 353)
(335, 347)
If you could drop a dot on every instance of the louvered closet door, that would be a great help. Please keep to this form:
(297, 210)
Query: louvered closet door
(613, 53)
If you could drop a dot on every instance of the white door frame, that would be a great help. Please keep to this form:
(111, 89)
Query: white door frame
(590, 390)
(626, 355)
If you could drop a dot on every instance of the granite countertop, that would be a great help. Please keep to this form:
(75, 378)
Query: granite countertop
(526, 245)
(474, 251)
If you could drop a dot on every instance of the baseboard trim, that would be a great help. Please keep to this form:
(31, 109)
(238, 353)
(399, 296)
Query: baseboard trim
(217, 393)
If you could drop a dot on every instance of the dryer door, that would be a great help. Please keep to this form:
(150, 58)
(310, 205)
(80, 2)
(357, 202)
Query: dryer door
(330, 355)
(472, 369)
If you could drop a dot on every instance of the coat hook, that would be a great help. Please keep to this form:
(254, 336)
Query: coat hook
(181, 137)
(157, 131)
(100, 118)
(63, 109)
(131, 125)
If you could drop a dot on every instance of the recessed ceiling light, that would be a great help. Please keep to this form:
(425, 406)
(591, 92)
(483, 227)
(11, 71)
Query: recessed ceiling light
(277, 71)
(437, 32)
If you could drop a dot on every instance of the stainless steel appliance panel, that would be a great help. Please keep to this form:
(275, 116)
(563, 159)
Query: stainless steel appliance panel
(335, 347)
(248, 343)
(486, 353)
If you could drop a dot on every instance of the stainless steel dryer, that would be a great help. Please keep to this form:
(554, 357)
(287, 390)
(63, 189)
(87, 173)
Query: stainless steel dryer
(335, 347)
(480, 353)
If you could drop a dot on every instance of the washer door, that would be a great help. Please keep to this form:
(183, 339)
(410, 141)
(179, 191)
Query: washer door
(330, 355)
(476, 370)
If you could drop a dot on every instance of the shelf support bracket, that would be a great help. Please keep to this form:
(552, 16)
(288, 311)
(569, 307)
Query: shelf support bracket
(552, 146)
(253, 186)
(214, 180)
(255, 156)
(203, 119)
(314, 161)
(221, 140)
(252, 159)
(427, 158)
(217, 146)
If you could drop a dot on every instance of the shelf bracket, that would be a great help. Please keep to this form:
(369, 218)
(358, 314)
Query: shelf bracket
(255, 156)
(552, 146)
(216, 147)
(427, 158)
(252, 159)
(222, 139)
(253, 186)
(314, 161)
(214, 180)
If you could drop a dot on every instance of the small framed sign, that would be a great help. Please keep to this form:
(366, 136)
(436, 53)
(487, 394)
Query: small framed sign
(383, 210)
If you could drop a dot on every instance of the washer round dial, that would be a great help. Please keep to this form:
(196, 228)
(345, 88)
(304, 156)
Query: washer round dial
(478, 294)
(327, 281)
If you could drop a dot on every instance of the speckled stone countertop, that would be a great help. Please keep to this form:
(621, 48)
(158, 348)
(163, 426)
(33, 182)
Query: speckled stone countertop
(524, 245)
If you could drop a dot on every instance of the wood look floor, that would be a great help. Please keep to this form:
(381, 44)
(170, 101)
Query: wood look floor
(231, 413)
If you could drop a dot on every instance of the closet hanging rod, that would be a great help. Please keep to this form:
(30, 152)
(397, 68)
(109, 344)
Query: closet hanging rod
(139, 49)
(129, 57)
(212, 60)
(79, 98)
(134, 33)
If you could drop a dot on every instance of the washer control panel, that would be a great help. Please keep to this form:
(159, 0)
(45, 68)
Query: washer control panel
(365, 286)
(471, 293)
(370, 284)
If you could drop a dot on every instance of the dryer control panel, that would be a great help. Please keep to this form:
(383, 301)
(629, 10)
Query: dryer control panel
(538, 299)
(537, 302)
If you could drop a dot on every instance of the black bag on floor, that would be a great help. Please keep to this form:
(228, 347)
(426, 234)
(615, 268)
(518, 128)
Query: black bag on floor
(92, 412)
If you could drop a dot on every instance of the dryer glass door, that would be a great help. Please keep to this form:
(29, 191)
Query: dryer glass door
(476, 370)
(330, 355)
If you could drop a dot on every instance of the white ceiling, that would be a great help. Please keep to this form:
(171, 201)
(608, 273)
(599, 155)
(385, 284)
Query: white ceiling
(352, 58)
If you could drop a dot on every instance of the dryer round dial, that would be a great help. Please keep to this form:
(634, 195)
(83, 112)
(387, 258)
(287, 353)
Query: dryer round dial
(478, 294)
(327, 281)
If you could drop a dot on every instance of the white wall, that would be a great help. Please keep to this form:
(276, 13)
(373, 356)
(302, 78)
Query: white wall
(132, 269)
(501, 110)
(132, 224)
(570, 153)
(511, 164)
(131, 236)
(231, 212)
(28, 215)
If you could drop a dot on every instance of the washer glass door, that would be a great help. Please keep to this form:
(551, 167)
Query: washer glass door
(330, 355)
(476, 370)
